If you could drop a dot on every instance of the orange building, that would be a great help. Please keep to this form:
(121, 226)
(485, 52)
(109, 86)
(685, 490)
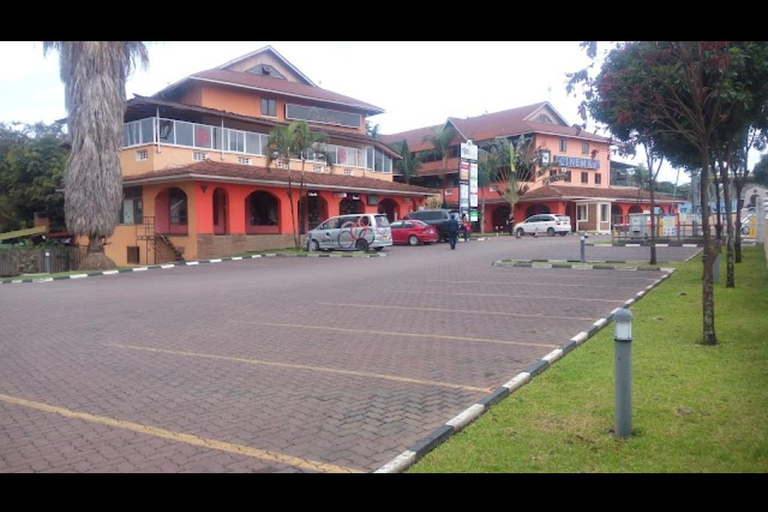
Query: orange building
(578, 185)
(195, 174)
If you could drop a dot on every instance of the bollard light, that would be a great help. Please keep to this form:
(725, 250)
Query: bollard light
(623, 370)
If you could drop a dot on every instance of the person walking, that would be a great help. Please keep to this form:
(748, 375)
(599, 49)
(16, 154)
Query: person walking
(453, 231)
(511, 224)
(466, 227)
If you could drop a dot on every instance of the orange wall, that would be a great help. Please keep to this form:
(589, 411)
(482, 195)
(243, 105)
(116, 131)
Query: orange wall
(573, 149)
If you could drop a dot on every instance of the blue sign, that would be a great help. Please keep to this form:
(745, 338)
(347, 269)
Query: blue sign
(572, 161)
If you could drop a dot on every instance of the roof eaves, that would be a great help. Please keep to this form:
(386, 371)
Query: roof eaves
(277, 54)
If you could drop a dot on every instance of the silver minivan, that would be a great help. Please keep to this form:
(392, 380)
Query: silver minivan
(358, 231)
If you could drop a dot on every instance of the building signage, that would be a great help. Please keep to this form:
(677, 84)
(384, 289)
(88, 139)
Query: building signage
(572, 161)
(463, 197)
(312, 193)
(464, 170)
(339, 194)
(469, 151)
(473, 199)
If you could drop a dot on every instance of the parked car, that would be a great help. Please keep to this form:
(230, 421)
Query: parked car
(548, 223)
(351, 232)
(437, 218)
(413, 232)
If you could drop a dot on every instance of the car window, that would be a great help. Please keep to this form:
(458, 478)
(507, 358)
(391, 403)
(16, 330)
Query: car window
(408, 225)
(397, 224)
(365, 220)
(563, 218)
(382, 221)
(349, 220)
(534, 218)
(434, 216)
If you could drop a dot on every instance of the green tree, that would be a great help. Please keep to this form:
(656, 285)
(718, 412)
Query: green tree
(410, 164)
(441, 143)
(94, 75)
(760, 171)
(32, 162)
(279, 150)
(306, 144)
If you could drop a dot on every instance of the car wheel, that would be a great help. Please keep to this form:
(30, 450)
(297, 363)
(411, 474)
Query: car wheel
(563, 233)
(361, 245)
(413, 240)
(520, 232)
(314, 245)
(551, 232)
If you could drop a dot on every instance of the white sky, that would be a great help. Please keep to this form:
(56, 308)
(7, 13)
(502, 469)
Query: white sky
(417, 83)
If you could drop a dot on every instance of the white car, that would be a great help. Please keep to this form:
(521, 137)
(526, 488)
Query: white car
(548, 223)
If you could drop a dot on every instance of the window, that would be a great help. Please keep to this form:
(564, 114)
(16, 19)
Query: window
(199, 156)
(131, 209)
(322, 115)
(598, 178)
(348, 172)
(563, 145)
(603, 213)
(585, 148)
(243, 160)
(262, 209)
(142, 155)
(282, 165)
(567, 175)
(133, 254)
(268, 107)
(585, 177)
(581, 212)
(177, 201)
(318, 168)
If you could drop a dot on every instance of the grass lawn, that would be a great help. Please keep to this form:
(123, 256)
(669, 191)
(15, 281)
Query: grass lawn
(695, 408)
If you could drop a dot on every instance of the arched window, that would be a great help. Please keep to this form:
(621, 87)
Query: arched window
(177, 205)
(262, 213)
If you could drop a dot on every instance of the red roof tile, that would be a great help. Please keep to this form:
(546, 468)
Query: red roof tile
(220, 170)
(569, 192)
(244, 79)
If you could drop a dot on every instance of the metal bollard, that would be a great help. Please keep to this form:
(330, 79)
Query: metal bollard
(583, 246)
(47, 262)
(623, 371)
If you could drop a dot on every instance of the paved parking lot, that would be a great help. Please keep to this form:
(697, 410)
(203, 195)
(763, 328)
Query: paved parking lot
(282, 364)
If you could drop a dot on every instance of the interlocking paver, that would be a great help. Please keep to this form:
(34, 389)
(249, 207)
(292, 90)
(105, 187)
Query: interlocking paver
(64, 345)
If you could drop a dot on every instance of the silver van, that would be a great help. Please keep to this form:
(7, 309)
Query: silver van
(358, 231)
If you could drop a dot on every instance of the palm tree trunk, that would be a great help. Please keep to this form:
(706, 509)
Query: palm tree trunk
(290, 200)
(303, 206)
(96, 258)
(739, 206)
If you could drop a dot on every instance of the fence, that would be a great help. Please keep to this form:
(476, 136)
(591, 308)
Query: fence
(32, 261)
(683, 232)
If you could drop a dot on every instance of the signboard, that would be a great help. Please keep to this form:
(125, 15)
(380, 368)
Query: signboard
(312, 193)
(669, 226)
(469, 151)
(572, 161)
(464, 196)
(473, 216)
(473, 200)
(339, 194)
(464, 170)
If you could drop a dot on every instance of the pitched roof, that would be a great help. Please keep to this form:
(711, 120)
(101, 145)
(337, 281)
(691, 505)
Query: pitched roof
(558, 192)
(505, 123)
(273, 85)
(274, 52)
(227, 172)
(415, 137)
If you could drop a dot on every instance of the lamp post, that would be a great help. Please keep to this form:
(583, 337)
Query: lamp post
(623, 371)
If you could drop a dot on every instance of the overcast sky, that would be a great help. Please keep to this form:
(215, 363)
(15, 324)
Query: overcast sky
(417, 83)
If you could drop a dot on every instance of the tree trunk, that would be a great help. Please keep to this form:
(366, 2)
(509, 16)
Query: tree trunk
(482, 210)
(707, 288)
(739, 206)
(730, 281)
(719, 221)
(290, 200)
(303, 207)
(96, 258)
(653, 222)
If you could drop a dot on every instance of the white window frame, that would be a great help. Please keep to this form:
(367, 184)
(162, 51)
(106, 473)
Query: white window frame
(585, 145)
(586, 212)
(607, 217)
(142, 155)
(199, 156)
(244, 160)
(563, 145)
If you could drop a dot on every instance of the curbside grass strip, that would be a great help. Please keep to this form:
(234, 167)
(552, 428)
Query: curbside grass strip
(187, 264)
(409, 457)
(578, 266)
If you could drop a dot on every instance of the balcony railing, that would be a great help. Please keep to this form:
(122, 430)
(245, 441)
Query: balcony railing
(170, 132)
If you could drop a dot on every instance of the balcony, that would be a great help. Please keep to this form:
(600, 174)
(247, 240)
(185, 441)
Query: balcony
(170, 132)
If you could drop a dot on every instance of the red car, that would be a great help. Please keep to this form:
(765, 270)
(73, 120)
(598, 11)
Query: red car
(413, 232)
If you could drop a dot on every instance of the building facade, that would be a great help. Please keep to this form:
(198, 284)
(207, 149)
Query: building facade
(578, 183)
(197, 178)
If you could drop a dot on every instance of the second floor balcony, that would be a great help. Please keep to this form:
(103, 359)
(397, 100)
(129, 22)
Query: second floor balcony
(170, 132)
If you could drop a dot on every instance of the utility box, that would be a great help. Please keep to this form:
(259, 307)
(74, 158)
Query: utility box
(639, 225)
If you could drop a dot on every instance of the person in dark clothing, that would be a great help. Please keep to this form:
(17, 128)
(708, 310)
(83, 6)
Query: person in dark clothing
(453, 231)
(511, 224)
(465, 227)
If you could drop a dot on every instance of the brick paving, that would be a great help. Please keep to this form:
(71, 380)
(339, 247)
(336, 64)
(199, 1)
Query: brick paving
(77, 345)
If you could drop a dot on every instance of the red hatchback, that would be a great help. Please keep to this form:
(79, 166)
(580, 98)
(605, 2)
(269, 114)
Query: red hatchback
(413, 232)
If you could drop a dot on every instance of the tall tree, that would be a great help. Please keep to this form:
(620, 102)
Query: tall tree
(441, 144)
(410, 164)
(94, 75)
(279, 150)
(307, 144)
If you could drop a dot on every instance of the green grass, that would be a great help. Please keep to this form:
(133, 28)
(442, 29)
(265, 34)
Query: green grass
(695, 408)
